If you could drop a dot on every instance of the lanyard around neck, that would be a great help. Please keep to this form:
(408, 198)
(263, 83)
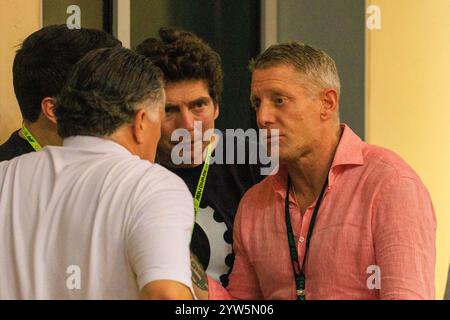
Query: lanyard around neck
(299, 271)
(31, 140)
(201, 182)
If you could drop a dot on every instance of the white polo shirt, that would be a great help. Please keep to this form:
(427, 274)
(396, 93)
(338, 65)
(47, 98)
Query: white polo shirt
(90, 221)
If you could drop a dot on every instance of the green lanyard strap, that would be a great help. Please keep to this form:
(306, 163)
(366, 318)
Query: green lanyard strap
(201, 182)
(299, 272)
(31, 140)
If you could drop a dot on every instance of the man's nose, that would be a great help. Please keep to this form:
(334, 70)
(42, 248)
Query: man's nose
(186, 120)
(264, 115)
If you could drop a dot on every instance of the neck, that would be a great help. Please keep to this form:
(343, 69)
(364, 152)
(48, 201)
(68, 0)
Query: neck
(309, 172)
(126, 138)
(44, 133)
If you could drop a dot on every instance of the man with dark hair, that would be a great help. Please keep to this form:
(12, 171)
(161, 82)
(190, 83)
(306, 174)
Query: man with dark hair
(342, 219)
(40, 69)
(193, 88)
(95, 219)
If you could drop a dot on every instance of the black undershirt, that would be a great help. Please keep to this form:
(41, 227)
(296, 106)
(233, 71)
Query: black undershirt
(15, 146)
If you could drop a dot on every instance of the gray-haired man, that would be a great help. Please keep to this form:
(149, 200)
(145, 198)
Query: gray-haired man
(96, 219)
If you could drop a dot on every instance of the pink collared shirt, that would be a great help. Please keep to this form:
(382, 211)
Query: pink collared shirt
(374, 236)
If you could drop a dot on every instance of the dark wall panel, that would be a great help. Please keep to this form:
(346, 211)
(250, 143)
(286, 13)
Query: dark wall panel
(231, 27)
(55, 12)
(337, 27)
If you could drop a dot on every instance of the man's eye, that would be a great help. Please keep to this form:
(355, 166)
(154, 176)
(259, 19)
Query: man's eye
(200, 105)
(279, 101)
(255, 104)
(170, 109)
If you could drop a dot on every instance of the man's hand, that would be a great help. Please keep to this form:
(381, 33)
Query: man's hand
(199, 278)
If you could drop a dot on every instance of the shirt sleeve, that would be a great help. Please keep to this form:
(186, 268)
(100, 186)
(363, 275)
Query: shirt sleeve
(160, 233)
(404, 230)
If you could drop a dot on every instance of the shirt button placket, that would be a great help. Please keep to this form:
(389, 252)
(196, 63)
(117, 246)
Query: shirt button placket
(303, 232)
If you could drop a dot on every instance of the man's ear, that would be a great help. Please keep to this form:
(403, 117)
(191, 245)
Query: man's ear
(140, 124)
(216, 110)
(48, 109)
(330, 104)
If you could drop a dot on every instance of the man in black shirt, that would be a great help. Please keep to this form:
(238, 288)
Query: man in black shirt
(193, 87)
(41, 67)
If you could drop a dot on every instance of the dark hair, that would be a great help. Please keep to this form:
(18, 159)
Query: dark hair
(103, 91)
(43, 63)
(181, 55)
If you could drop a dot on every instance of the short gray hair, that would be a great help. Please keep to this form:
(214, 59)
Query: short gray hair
(318, 68)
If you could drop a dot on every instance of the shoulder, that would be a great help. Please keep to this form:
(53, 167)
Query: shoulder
(391, 176)
(165, 178)
(154, 177)
(386, 164)
(155, 193)
(159, 181)
(399, 195)
(160, 194)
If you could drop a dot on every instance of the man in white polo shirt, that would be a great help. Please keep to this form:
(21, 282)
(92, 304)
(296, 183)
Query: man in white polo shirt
(96, 219)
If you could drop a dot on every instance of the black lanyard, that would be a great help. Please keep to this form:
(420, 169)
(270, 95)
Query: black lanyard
(298, 272)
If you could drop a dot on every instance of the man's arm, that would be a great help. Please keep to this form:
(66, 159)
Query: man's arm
(199, 278)
(165, 290)
(404, 230)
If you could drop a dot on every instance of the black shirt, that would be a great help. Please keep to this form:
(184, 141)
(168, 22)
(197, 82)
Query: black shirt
(213, 231)
(14, 147)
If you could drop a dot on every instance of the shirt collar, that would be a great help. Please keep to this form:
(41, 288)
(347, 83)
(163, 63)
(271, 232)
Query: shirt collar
(95, 144)
(348, 154)
(349, 150)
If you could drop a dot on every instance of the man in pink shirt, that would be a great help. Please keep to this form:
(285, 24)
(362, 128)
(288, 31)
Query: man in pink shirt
(341, 219)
